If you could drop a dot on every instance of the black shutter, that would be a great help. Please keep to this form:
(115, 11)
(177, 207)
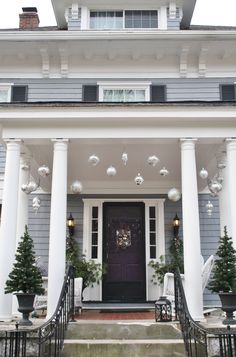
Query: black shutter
(158, 94)
(90, 93)
(227, 92)
(19, 93)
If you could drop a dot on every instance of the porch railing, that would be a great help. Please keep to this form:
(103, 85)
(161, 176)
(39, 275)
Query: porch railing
(46, 340)
(199, 341)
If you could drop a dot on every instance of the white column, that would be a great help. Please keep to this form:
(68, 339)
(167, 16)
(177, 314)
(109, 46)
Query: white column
(8, 223)
(231, 169)
(191, 230)
(224, 206)
(22, 214)
(57, 238)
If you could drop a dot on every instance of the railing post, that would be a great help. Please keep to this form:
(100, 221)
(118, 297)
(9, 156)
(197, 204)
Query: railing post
(176, 297)
(72, 280)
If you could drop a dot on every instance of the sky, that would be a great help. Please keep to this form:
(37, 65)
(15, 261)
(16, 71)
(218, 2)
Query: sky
(207, 12)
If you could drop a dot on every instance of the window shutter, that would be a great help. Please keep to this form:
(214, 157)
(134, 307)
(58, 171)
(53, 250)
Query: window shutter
(90, 93)
(19, 93)
(158, 94)
(227, 92)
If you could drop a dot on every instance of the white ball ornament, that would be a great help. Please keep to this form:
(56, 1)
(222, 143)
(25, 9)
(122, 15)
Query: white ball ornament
(111, 171)
(76, 187)
(93, 160)
(139, 180)
(174, 194)
(203, 173)
(153, 160)
(43, 171)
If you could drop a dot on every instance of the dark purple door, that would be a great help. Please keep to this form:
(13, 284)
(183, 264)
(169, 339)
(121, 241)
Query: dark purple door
(124, 252)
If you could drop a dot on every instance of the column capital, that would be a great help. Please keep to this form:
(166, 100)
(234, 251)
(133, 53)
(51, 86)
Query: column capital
(188, 140)
(60, 140)
(13, 140)
(230, 140)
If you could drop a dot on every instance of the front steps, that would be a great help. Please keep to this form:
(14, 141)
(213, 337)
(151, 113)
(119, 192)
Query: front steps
(118, 339)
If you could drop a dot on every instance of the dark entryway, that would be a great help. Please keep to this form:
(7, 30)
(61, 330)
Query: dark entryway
(124, 252)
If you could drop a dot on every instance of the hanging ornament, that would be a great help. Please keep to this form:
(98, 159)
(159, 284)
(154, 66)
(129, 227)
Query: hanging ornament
(36, 204)
(25, 167)
(43, 171)
(214, 187)
(111, 171)
(174, 194)
(32, 186)
(153, 160)
(124, 158)
(93, 160)
(139, 180)
(76, 187)
(203, 173)
(209, 207)
(164, 172)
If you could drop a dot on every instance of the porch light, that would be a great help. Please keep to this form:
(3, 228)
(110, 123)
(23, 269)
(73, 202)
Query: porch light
(163, 310)
(71, 225)
(176, 224)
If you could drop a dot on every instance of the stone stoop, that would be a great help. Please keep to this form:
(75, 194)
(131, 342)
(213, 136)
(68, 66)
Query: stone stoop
(118, 339)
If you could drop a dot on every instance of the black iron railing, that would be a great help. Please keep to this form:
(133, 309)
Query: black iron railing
(46, 340)
(199, 341)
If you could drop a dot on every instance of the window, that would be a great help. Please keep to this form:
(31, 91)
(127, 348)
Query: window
(158, 93)
(124, 92)
(11, 93)
(227, 92)
(152, 232)
(141, 19)
(5, 92)
(94, 232)
(123, 19)
(106, 19)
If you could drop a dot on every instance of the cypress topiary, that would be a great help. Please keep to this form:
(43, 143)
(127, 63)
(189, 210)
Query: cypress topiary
(25, 276)
(224, 271)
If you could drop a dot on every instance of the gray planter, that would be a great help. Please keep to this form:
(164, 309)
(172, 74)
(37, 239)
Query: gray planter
(228, 301)
(26, 306)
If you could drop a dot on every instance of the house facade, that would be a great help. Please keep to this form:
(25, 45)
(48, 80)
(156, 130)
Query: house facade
(126, 104)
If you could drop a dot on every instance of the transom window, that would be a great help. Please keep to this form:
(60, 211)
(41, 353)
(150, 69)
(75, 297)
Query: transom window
(124, 92)
(123, 19)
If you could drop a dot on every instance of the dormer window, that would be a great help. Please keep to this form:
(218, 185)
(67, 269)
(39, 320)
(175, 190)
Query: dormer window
(134, 19)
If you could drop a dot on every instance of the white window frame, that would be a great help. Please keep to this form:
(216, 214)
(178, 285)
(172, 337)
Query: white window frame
(6, 87)
(123, 85)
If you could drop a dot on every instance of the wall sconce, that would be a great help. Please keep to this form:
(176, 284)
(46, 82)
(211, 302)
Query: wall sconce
(176, 224)
(71, 225)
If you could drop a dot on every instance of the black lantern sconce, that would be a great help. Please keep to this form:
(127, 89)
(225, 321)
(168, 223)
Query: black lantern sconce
(176, 224)
(71, 225)
(163, 310)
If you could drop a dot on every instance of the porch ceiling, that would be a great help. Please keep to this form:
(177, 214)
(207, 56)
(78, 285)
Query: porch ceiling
(95, 179)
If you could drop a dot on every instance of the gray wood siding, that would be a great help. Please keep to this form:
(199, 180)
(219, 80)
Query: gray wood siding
(39, 224)
(209, 227)
(71, 89)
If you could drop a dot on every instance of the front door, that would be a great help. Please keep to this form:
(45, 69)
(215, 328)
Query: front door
(124, 252)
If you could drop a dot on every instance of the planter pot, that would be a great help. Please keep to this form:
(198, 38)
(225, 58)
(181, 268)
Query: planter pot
(26, 305)
(228, 301)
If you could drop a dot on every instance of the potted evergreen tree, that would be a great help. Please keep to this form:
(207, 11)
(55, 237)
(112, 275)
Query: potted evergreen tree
(25, 279)
(223, 279)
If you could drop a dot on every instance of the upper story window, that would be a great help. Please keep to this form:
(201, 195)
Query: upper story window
(123, 19)
(5, 92)
(106, 19)
(12, 93)
(124, 92)
(141, 19)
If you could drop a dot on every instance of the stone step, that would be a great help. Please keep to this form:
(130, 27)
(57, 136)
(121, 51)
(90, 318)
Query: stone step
(102, 330)
(127, 348)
